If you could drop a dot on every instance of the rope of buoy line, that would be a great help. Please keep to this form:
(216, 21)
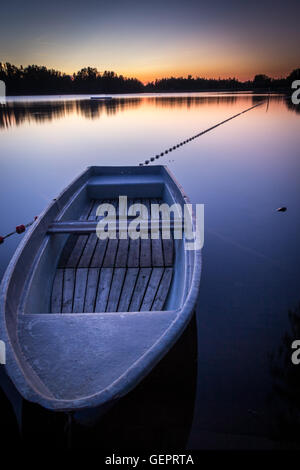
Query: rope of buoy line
(19, 229)
(175, 147)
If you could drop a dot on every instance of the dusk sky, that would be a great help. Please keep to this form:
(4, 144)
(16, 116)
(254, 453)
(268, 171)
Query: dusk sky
(154, 39)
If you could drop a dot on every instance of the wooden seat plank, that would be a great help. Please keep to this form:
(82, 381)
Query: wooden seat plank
(68, 290)
(91, 290)
(128, 288)
(140, 288)
(163, 290)
(103, 289)
(57, 291)
(115, 290)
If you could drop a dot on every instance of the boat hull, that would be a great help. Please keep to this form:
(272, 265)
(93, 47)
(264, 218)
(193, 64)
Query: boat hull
(77, 360)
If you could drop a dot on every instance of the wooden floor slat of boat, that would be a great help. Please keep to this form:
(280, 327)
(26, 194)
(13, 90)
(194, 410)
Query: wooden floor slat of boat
(79, 290)
(91, 290)
(67, 250)
(134, 245)
(122, 253)
(99, 253)
(156, 246)
(163, 290)
(152, 288)
(57, 291)
(112, 275)
(145, 254)
(91, 243)
(140, 289)
(103, 289)
(115, 291)
(80, 242)
(68, 290)
(128, 288)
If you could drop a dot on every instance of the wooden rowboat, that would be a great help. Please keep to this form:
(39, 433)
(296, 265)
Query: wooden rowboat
(84, 319)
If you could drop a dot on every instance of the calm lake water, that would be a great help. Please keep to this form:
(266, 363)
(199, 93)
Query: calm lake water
(242, 171)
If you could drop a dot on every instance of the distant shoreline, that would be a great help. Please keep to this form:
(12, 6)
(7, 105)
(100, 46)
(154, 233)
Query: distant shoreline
(165, 92)
(38, 80)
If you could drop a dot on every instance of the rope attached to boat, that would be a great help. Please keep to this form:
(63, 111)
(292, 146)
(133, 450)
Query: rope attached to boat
(175, 147)
(19, 229)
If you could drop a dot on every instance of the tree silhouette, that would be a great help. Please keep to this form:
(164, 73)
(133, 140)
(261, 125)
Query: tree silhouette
(35, 79)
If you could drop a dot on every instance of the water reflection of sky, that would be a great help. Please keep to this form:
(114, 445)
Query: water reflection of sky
(242, 171)
(42, 109)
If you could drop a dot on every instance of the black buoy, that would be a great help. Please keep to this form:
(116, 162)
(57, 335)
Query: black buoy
(281, 209)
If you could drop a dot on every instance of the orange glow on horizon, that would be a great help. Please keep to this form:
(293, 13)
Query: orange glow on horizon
(149, 76)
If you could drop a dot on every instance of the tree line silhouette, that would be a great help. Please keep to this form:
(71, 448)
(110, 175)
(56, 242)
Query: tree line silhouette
(260, 82)
(35, 79)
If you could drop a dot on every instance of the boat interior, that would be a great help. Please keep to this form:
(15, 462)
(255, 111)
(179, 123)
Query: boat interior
(92, 275)
(112, 275)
